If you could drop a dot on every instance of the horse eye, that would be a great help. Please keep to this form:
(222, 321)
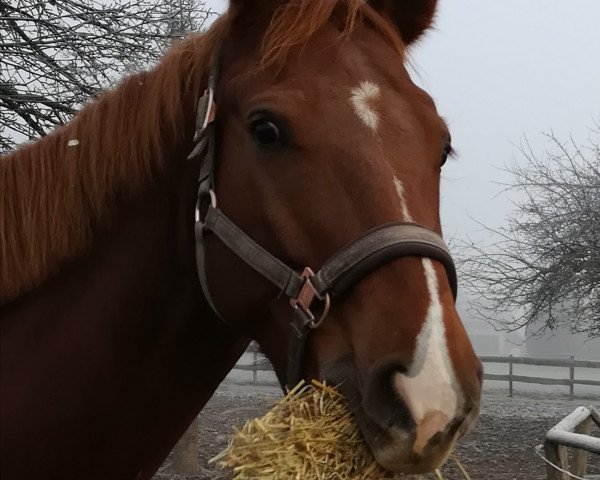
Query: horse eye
(266, 133)
(447, 152)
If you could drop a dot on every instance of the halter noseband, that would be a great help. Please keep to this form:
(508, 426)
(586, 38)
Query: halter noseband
(346, 267)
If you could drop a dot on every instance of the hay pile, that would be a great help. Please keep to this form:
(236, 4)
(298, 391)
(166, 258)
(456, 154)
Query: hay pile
(310, 434)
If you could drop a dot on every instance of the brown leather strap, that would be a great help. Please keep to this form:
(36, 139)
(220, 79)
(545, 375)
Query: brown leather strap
(378, 247)
(278, 273)
(349, 265)
(298, 333)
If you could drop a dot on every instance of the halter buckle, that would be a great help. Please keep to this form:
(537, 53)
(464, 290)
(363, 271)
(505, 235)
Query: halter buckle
(213, 202)
(205, 112)
(306, 297)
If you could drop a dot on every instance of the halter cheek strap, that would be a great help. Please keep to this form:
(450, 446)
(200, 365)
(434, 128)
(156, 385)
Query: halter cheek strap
(345, 268)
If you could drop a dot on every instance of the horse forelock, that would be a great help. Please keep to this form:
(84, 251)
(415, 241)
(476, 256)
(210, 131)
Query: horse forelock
(57, 190)
(296, 21)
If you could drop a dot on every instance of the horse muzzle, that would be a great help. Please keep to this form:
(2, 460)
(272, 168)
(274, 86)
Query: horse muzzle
(399, 441)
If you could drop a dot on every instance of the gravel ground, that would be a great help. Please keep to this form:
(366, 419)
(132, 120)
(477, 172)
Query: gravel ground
(502, 446)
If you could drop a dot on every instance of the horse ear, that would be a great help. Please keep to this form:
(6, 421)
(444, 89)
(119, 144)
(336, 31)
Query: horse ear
(411, 17)
(253, 5)
(253, 11)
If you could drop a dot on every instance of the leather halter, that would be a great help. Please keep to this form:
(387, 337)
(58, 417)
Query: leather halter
(349, 265)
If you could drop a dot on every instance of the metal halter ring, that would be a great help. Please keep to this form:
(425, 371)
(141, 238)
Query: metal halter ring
(306, 297)
(213, 203)
(327, 303)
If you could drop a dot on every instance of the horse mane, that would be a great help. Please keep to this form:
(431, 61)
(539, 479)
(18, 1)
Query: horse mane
(58, 190)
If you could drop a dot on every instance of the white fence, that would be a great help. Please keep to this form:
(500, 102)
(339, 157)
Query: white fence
(571, 364)
(572, 431)
(260, 372)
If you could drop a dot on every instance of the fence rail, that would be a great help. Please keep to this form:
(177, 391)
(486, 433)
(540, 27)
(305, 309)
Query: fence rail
(542, 362)
(570, 363)
(260, 364)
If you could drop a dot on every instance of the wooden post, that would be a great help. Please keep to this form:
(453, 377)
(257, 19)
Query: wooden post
(255, 367)
(510, 375)
(185, 454)
(572, 377)
(580, 457)
(557, 454)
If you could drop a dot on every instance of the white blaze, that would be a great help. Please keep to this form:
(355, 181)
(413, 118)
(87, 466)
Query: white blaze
(363, 99)
(427, 388)
(406, 216)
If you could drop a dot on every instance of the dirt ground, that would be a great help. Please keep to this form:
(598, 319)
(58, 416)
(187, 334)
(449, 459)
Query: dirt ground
(502, 446)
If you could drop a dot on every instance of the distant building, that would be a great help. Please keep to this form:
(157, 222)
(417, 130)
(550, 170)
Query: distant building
(487, 340)
(561, 344)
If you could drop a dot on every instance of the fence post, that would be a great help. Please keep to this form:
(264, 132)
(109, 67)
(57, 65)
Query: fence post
(557, 454)
(572, 377)
(510, 375)
(185, 453)
(255, 367)
(580, 457)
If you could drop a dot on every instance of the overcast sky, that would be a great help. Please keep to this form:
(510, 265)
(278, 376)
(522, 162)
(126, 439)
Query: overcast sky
(499, 70)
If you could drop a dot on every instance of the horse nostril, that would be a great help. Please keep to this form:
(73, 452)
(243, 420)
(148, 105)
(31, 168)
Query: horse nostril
(381, 401)
(469, 419)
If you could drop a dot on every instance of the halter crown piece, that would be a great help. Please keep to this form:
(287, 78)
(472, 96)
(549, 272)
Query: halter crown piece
(349, 265)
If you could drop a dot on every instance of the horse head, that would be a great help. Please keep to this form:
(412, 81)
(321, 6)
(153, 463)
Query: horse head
(320, 135)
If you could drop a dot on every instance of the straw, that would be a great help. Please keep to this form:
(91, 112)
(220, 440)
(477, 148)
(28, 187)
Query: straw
(310, 434)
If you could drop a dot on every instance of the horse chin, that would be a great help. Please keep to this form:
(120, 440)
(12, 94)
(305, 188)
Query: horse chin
(394, 450)
(412, 464)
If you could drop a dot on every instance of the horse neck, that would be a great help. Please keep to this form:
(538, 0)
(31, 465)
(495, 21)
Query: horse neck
(127, 329)
(116, 147)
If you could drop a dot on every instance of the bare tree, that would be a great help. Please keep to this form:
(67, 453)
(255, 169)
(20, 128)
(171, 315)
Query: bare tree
(544, 271)
(57, 54)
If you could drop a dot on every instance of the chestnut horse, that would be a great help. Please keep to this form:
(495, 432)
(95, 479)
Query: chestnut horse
(109, 347)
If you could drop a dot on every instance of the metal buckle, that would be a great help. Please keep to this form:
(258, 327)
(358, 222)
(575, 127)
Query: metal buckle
(213, 203)
(305, 298)
(206, 112)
